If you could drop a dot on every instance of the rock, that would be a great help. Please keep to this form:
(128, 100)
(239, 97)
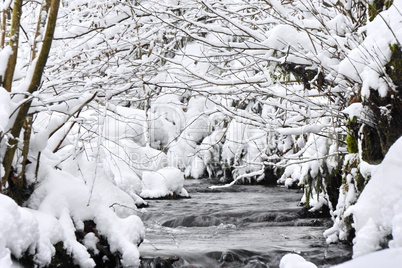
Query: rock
(160, 262)
(229, 256)
(192, 221)
(256, 264)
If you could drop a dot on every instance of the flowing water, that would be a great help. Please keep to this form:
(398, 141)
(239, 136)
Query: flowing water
(240, 226)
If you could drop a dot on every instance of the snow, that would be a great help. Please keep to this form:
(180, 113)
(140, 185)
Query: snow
(70, 243)
(295, 261)
(301, 172)
(122, 203)
(124, 235)
(316, 128)
(125, 177)
(5, 110)
(5, 5)
(18, 227)
(234, 140)
(144, 159)
(379, 207)
(5, 257)
(390, 258)
(50, 232)
(90, 241)
(5, 53)
(163, 183)
(125, 123)
(23, 229)
(60, 205)
(365, 63)
(354, 110)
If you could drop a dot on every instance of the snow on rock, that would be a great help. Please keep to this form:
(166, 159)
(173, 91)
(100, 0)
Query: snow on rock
(18, 228)
(70, 243)
(104, 186)
(378, 211)
(63, 201)
(162, 183)
(25, 230)
(124, 235)
(295, 261)
(391, 258)
(50, 232)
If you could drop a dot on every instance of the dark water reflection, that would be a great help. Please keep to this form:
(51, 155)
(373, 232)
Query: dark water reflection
(241, 226)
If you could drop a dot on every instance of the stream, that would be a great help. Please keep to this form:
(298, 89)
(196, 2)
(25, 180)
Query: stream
(239, 226)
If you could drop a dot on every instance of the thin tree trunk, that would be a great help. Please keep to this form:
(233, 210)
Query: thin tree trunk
(14, 39)
(41, 23)
(25, 149)
(3, 28)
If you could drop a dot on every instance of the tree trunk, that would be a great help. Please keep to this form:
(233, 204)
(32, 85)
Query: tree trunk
(14, 39)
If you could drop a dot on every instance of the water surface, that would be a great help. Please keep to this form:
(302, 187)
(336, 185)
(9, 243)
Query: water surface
(240, 226)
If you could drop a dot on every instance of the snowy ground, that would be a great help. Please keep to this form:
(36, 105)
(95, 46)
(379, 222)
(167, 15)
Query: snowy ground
(389, 258)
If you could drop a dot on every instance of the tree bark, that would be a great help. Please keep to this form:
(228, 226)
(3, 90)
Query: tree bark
(41, 23)
(13, 43)
(3, 28)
